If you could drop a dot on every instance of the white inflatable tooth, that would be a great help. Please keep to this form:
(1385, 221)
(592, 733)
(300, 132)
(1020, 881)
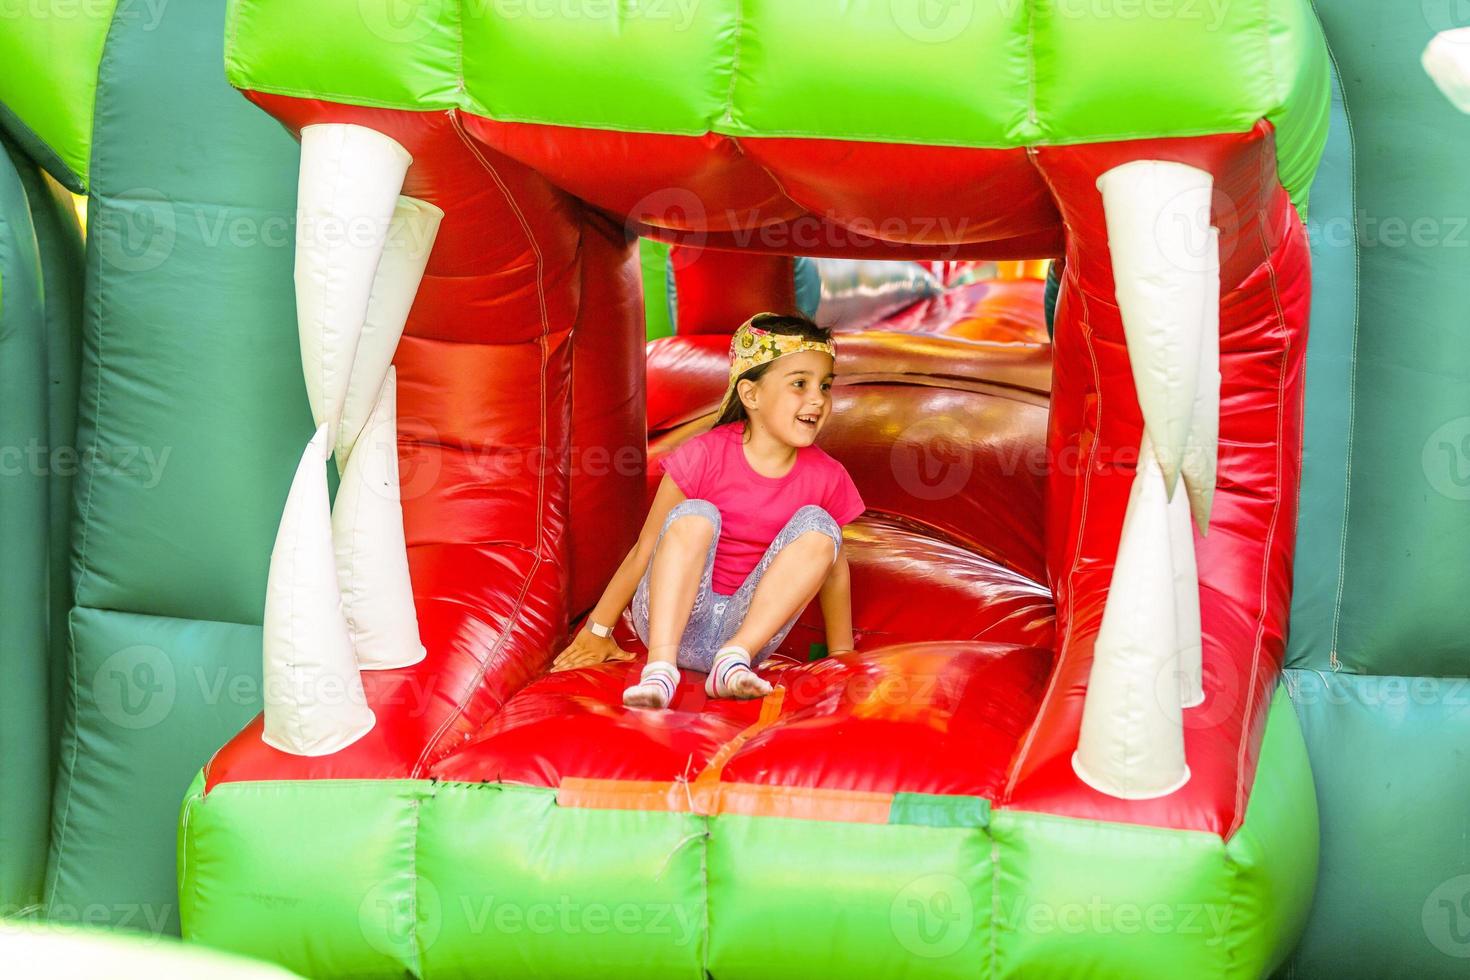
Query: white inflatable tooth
(1186, 601)
(314, 701)
(1202, 445)
(1447, 61)
(348, 187)
(411, 236)
(372, 558)
(1131, 744)
(1158, 216)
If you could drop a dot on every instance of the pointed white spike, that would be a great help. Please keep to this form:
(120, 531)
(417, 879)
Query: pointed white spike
(372, 558)
(1158, 215)
(348, 187)
(411, 235)
(314, 702)
(1132, 741)
(1202, 445)
(1186, 600)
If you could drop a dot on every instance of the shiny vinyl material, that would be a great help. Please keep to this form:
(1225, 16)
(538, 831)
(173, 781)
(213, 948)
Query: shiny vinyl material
(925, 773)
(976, 491)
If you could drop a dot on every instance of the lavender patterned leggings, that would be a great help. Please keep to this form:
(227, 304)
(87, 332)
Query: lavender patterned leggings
(715, 617)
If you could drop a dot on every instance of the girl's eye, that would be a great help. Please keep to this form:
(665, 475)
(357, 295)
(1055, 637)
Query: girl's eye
(826, 386)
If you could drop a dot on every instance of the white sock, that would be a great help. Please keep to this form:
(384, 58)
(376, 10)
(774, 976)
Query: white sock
(730, 676)
(655, 687)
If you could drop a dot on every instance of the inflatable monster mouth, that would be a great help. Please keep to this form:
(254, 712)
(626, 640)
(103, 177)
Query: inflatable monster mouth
(815, 820)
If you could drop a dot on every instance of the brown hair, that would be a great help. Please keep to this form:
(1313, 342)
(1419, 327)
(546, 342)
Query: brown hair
(789, 324)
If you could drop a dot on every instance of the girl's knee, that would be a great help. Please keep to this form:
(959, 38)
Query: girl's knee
(814, 517)
(694, 507)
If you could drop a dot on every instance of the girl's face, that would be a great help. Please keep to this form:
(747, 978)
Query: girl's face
(793, 398)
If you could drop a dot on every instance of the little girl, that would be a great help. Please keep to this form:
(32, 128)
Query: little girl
(745, 528)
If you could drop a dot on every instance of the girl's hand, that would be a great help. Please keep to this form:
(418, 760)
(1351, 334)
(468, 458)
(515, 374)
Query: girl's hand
(587, 649)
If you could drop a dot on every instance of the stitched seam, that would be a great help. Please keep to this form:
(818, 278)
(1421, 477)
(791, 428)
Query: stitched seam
(539, 558)
(714, 768)
(419, 944)
(1250, 694)
(93, 313)
(1352, 386)
(447, 105)
(291, 618)
(729, 113)
(1032, 116)
(1085, 324)
(193, 896)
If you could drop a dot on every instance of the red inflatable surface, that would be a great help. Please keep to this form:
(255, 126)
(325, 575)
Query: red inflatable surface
(522, 374)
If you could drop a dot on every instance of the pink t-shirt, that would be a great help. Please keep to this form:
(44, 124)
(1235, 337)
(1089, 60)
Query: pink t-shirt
(754, 508)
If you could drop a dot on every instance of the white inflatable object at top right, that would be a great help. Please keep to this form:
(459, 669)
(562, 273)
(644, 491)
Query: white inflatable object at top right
(1447, 61)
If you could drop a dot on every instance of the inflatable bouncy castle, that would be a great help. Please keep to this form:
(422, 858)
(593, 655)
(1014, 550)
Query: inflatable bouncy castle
(387, 314)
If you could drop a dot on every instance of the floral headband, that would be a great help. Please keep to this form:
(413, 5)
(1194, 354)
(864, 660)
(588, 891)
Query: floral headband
(752, 346)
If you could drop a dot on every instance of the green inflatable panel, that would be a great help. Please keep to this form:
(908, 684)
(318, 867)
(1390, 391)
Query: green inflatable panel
(49, 56)
(1391, 759)
(25, 743)
(152, 695)
(653, 260)
(1398, 595)
(772, 68)
(59, 241)
(192, 416)
(451, 879)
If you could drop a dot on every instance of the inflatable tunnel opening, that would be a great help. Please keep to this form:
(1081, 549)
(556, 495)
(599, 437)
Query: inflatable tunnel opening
(1070, 585)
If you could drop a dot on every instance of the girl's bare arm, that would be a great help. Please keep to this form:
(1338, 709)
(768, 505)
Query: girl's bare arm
(585, 649)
